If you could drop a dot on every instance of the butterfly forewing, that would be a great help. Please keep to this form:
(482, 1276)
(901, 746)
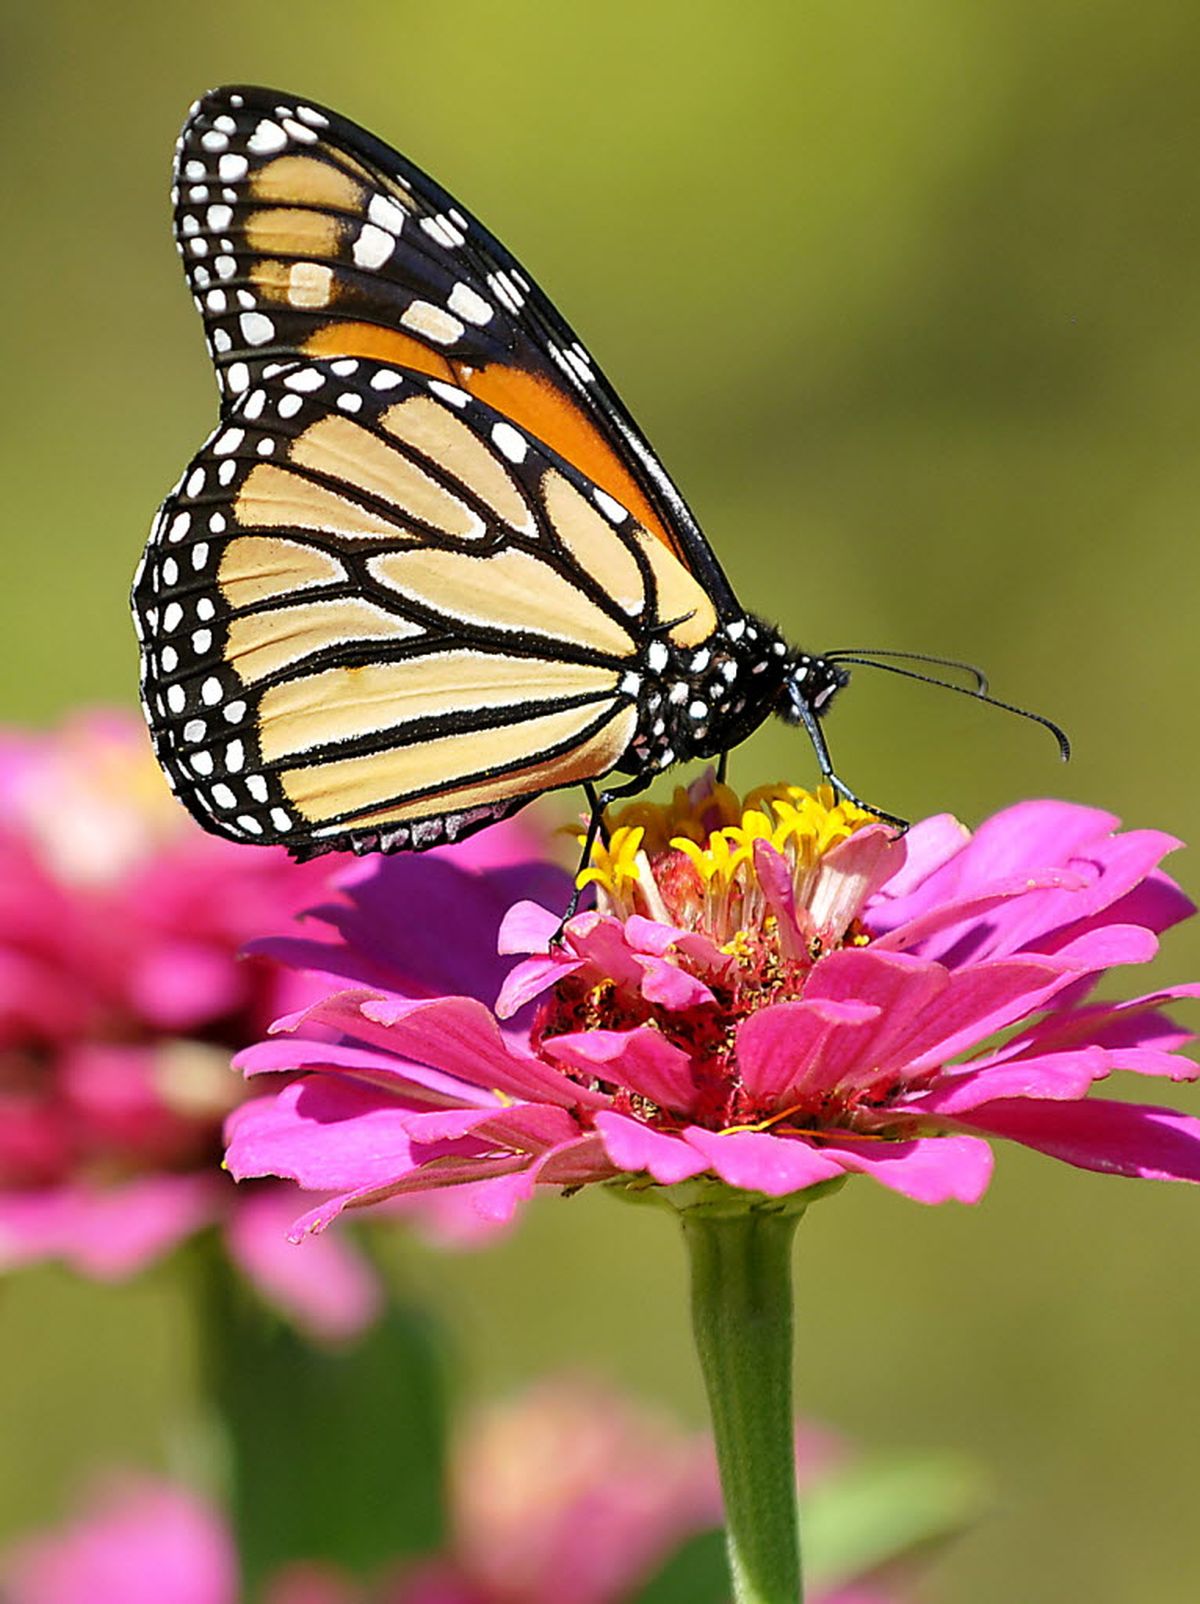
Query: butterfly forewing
(375, 612)
(304, 236)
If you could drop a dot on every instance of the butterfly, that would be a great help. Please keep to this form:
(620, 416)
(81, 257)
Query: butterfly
(427, 567)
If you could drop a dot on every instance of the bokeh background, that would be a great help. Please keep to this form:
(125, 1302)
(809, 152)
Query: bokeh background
(908, 297)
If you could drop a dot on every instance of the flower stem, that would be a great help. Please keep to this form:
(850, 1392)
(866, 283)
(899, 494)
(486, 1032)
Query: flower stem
(741, 1263)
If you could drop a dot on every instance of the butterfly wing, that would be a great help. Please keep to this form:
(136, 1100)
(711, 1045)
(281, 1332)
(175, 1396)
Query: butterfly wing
(376, 613)
(302, 235)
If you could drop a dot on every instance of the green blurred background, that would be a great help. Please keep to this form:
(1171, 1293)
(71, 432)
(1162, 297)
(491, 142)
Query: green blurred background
(908, 298)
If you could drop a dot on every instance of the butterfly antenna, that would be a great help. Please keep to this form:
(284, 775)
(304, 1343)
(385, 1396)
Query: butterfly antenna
(979, 694)
(864, 656)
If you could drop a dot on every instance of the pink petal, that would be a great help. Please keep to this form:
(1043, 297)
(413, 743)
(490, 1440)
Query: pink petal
(759, 1162)
(1105, 948)
(657, 940)
(575, 1163)
(930, 1169)
(1028, 836)
(851, 873)
(142, 1542)
(415, 1084)
(1060, 1076)
(497, 1187)
(446, 1125)
(635, 1147)
(909, 936)
(640, 1060)
(665, 985)
(460, 1036)
(779, 889)
(1117, 1138)
(326, 1133)
(327, 1287)
(1131, 1028)
(181, 984)
(978, 1001)
(526, 981)
(779, 1048)
(108, 1232)
(451, 948)
(928, 845)
(527, 927)
(526, 1128)
(927, 1013)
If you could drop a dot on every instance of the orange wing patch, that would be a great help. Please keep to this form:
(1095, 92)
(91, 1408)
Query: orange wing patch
(551, 416)
(539, 406)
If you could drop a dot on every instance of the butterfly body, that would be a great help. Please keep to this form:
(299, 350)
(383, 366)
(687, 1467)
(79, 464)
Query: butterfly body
(427, 567)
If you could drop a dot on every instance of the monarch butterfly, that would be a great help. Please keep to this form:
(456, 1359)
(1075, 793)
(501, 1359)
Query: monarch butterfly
(427, 567)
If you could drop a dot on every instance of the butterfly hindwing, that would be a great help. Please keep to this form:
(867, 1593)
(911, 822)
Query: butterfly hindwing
(375, 612)
(303, 236)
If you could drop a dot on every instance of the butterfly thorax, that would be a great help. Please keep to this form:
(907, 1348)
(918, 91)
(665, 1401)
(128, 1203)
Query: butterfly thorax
(698, 701)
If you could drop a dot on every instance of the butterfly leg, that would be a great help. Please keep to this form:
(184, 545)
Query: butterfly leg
(600, 802)
(722, 767)
(816, 735)
(593, 799)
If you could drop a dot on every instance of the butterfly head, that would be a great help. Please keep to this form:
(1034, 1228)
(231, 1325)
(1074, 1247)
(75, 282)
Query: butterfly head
(809, 686)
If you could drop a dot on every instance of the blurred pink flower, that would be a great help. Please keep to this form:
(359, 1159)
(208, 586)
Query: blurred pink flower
(568, 1494)
(140, 1542)
(122, 997)
(573, 1494)
(775, 995)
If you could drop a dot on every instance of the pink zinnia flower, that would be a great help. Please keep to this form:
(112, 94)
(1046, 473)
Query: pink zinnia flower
(772, 995)
(122, 996)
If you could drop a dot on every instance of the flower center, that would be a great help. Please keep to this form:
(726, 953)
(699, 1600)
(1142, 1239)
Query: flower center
(755, 891)
(710, 862)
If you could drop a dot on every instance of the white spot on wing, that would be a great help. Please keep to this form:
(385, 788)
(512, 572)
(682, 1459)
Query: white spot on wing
(373, 246)
(469, 305)
(509, 442)
(611, 509)
(305, 379)
(384, 212)
(434, 322)
(449, 392)
(267, 137)
(257, 328)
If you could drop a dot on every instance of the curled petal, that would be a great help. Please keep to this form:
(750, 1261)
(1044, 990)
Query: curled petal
(782, 1049)
(528, 981)
(640, 1060)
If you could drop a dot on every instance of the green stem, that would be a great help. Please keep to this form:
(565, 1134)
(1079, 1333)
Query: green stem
(741, 1262)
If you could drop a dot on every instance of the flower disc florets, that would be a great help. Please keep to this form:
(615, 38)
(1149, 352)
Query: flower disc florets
(771, 883)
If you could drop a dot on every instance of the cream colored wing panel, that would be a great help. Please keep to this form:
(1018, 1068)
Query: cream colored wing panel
(360, 785)
(346, 704)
